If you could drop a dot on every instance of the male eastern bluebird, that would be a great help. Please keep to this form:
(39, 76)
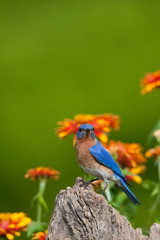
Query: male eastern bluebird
(96, 160)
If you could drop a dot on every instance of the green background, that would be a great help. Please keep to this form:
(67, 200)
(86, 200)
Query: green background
(62, 58)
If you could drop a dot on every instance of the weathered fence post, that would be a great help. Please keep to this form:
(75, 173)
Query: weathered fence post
(82, 214)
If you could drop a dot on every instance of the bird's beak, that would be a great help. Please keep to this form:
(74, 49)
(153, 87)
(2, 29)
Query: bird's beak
(87, 131)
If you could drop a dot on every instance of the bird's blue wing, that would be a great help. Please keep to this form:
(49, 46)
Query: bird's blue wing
(104, 157)
(127, 191)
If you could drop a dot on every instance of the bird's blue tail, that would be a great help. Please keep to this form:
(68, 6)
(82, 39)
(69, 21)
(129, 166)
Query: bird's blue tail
(127, 191)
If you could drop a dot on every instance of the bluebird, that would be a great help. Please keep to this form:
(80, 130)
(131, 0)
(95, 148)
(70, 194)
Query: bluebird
(97, 161)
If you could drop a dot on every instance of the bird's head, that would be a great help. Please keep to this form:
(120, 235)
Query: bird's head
(85, 130)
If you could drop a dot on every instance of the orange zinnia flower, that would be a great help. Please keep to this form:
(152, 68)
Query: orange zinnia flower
(40, 235)
(150, 82)
(136, 178)
(128, 155)
(133, 173)
(42, 172)
(102, 125)
(11, 224)
(153, 152)
(130, 158)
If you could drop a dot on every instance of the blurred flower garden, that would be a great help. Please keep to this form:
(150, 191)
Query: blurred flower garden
(65, 63)
(131, 157)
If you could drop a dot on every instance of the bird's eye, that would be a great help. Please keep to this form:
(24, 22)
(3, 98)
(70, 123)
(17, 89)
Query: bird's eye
(80, 129)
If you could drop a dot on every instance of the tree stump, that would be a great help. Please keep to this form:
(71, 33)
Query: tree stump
(82, 214)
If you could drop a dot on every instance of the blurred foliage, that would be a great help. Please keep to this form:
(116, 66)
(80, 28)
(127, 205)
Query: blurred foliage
(60, 58)
(151, 139)
(36, 227)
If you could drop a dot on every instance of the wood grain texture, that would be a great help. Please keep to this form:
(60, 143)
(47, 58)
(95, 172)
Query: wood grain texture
(82, 214)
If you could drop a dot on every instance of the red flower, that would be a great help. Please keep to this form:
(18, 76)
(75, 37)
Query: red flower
(136, 178)
(153, 152)
(150, 82)
(128, 155)
(102, 124)
(40, 235)
(11, 224)
(132, 174)
(42, 172)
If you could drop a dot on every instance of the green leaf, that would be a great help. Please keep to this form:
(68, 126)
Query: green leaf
(114, 156)
(87, 177)
(150, 138)
(34, 199)
(156, 190)
(145, 231)
(129, 210)
(113, 204)
(43, 203)
(157, 220)
(148, 184)
(36, 227)
(120, 198)
(155, 204)
(125, 171)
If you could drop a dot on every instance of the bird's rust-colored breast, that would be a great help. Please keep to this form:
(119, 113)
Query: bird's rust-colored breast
(82, 148)
(88, 162)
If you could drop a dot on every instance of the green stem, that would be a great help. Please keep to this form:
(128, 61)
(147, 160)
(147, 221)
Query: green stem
(108, 194)
(39, 211)
(42, 187)
(154, 206)
(158, 162)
